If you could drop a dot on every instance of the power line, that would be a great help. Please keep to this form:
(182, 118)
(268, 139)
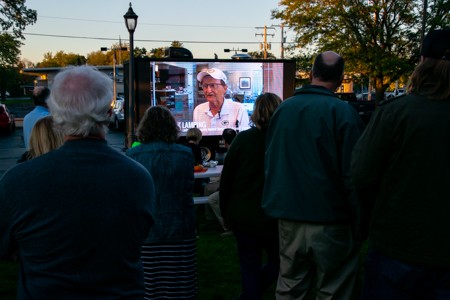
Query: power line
(140, 40)
(148, 24)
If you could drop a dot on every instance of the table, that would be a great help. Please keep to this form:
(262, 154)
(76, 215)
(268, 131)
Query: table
(211, 172)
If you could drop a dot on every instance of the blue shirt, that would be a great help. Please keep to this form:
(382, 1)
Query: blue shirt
(30, 119)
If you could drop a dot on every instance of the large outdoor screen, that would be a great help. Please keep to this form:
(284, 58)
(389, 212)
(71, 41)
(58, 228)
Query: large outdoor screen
(173, 83)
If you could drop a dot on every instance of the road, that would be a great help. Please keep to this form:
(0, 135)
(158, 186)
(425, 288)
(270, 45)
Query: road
(12, 147)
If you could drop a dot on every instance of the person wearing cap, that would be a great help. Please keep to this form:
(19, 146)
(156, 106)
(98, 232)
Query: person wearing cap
(401, 168)
(218, 112)
(40, 96)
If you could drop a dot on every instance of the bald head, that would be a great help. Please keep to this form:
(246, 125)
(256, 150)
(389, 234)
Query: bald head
(328, 70)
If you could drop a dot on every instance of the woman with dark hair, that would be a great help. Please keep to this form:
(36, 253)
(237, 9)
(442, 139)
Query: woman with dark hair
(241, 188)
(169, 255)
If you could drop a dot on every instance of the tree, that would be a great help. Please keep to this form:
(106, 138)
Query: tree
(379, 39)
(61, 59)
(140, 52)
(157, 52)
(176, 44)
(260, 55)
(98, 58)
(161, 51)
(15, 16)
(9, 49)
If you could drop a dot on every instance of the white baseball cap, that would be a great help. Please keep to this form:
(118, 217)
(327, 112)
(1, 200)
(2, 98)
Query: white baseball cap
(214, 73)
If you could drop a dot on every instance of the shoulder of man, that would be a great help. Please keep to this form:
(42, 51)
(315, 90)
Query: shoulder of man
(391, 100)
(314, 89)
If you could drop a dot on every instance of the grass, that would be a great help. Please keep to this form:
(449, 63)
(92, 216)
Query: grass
(218, 267)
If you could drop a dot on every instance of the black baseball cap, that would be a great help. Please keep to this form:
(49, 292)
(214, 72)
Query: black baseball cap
(436, 44)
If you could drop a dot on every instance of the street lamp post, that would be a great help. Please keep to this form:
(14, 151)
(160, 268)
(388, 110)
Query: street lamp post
(131, 23)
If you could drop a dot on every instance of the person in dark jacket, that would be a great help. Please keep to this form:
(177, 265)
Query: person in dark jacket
(241, 187)
(77, 231)
(193, 137)
(403, 161)
(308, 188)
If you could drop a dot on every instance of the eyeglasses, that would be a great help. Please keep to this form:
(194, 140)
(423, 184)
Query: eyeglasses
(213, 86)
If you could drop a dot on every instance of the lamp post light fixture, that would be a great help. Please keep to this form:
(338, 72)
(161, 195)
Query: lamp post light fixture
(131, 23)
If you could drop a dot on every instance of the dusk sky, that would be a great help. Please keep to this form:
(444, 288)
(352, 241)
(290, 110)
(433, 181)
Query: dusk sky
(204, 27)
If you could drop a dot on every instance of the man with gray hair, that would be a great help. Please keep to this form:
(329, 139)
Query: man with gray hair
(77, 233)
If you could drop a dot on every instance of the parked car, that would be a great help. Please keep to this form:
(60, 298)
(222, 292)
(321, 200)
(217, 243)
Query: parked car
(365, 97)
(118, 116)
(399, 92)
(7, 122)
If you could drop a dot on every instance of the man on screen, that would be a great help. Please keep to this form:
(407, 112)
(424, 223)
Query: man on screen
(218, 113)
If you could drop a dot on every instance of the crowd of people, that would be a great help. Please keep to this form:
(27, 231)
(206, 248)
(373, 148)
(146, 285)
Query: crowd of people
(301, 190)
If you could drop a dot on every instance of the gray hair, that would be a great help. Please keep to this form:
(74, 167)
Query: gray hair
(80, 101)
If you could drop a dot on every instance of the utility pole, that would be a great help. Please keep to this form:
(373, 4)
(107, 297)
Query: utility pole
(264, 46)
(283, 40)
(114, 66)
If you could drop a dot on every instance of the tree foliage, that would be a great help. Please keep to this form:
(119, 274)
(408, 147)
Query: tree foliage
(260, 55)
(61, 59)
(97, 58)
(161, 51)
(379, 38)
(9, 50)
(140, 52)
(14, 16)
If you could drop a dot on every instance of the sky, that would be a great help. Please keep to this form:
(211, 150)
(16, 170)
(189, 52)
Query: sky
(204, 27)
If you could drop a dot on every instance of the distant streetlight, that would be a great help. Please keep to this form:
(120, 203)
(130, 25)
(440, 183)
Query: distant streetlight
(131, 23)
(238, 56)
(235, 50)
(114, 67)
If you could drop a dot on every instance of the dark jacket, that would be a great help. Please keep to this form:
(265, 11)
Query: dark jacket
(403, 160)
(196, 151)
(172, 168)
(79, 216)
(241, 185)
(307, 165)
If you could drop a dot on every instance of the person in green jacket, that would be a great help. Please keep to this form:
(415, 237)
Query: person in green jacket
(403, 161)
(308, 189)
